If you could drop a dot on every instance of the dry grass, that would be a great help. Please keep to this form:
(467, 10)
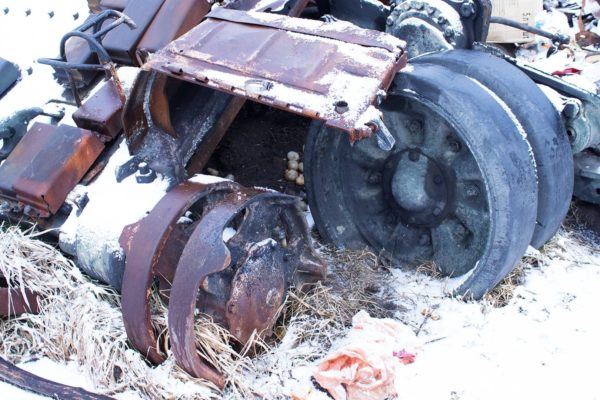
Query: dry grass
(80, 321)
(501, 295)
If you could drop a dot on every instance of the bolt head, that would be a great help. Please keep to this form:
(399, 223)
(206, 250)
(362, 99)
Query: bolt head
(413, 155)
(437, 211)
(571, 109)
(374, 178)
(472, 191)
(467, 9)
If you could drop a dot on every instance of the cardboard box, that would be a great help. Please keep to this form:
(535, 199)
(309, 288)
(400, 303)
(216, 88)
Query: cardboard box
(519, 10)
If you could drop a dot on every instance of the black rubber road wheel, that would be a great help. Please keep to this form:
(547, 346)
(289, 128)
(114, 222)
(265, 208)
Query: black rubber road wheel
(458, 188)
(539, 118)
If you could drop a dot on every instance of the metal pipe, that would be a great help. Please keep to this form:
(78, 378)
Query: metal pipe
(555, 37)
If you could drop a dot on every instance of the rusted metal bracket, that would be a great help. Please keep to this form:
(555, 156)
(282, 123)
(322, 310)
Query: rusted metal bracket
(144, 244)
(239, 282)
(27, 381)
(348, 70)
(46, 165)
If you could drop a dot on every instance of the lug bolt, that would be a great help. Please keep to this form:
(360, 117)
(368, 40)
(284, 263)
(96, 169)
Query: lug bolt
(437, 211)
(413, 155)
(448, 33)
(437, 180)
(460, 230)
(374, 178)
(472, 191)
(454, 145)
(389, 21)
(441, 20)
(467, 9)
(415, 126)
(571, 109)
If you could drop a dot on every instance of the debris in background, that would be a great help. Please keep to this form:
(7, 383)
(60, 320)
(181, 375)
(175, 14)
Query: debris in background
(365, 366)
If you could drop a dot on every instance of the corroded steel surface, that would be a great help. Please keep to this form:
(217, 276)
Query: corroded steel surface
(205, 254)
(263, 56)
(144, 244)
(14, 302)
(46, 165)
(174, 18)
(102, 112)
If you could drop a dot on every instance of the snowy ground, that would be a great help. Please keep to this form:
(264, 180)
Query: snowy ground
(543, 344)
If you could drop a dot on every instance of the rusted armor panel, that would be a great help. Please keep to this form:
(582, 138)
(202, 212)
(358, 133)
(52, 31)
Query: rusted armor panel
(46, 165)
(174, 18)
(263, 57)
(102, 112)
(121, 42)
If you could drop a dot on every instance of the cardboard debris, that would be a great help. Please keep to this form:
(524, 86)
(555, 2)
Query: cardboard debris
(518, 10)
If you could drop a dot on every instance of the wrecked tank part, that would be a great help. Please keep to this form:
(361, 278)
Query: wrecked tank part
(579, 108)
(587, 177)
(251, 272)
(15, 300)
(121, 42)
(144, 245)
(196, 121)
(368, 14)
(580, 112)
(100, 27)
(13, 128)
(91, 232)
(9, 74)
(102, 112)
(29, 382)
(166, 135)
(458, 189)
(539, 120)
(436, 25)
(46, 165)
(174, 18)
(352, 60)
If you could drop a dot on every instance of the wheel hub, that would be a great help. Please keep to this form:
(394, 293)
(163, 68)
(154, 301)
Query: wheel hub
(418, 187)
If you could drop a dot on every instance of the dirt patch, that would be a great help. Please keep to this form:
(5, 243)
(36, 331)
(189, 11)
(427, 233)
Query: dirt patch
(255, 148)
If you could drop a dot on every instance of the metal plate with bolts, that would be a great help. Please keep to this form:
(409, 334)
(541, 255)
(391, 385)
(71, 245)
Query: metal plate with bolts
(263, 57)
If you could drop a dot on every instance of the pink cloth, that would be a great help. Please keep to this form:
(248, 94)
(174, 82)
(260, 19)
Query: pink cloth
(364, 367)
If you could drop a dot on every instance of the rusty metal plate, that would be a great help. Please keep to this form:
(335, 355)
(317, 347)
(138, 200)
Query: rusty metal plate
(46, 165)
(331, 71)
(14, 301)
(102, 112)
(174, 18)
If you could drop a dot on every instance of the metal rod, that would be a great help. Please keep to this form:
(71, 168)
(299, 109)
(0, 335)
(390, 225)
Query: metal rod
(555, 37)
